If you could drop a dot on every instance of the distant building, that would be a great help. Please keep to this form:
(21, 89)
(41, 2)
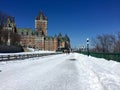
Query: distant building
(39, 39)
(8, 33)
(9, 37)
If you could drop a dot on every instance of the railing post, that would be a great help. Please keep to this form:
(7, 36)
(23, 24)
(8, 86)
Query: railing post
(19, 57)
(2, 57)
(8, 57)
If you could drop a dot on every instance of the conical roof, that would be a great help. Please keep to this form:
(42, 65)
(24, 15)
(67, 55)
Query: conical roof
(41, 16)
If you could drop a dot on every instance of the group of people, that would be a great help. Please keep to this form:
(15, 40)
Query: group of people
(67, 51)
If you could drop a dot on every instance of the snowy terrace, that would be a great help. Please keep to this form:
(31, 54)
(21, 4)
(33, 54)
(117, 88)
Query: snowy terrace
(60, 72)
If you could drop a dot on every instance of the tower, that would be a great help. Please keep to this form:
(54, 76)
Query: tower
(41, 24)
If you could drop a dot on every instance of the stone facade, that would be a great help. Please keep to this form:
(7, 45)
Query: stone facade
(39, 39)
(30, 38)
(41, 24)
(8, 33)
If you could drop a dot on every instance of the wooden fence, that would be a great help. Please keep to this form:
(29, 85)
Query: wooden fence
(9, 57)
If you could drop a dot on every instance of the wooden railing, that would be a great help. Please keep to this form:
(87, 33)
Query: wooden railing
(8, 57)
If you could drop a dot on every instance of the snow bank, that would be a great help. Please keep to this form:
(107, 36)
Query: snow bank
(107, 72)
(35, 52)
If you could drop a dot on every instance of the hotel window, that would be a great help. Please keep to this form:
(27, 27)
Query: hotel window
(26, 33)
(22, 33)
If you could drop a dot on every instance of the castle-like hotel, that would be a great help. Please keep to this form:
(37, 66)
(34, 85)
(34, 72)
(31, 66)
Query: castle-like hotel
(39, 39)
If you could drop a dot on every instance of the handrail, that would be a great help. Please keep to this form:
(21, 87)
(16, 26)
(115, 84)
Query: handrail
(108, 56)
(9, 57)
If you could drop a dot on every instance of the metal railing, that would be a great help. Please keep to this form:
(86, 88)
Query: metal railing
(108, 56)
(9, 57)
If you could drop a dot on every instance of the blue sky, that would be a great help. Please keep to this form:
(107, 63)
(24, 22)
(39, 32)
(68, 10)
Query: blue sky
(80, 19)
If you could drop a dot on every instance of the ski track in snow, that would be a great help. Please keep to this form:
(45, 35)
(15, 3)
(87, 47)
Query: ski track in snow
(60, 72)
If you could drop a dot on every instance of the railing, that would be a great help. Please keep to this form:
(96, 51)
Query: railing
(108, 56)
(8, 57)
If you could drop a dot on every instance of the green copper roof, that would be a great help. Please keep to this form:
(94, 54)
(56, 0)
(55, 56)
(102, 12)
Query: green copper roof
(25, 30)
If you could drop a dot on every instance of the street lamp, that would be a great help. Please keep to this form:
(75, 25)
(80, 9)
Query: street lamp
(83, 48)
(88, 46)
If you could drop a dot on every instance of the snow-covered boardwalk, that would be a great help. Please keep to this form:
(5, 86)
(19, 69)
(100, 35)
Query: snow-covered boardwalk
(60, 72)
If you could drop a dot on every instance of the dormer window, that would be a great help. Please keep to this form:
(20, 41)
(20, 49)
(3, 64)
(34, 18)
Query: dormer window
(41, 17)
(26, 33)
(22, 33)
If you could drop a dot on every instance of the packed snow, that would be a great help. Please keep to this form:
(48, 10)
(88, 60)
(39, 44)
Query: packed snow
(32, 52)
(60, 72)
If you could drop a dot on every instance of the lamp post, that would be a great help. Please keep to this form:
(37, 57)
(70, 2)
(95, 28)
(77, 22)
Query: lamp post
(83, 48)
(88, 46)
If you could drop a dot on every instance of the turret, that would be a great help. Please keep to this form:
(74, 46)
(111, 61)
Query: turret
(41, 23)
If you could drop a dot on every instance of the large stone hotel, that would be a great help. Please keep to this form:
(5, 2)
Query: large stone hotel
(39, 39)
